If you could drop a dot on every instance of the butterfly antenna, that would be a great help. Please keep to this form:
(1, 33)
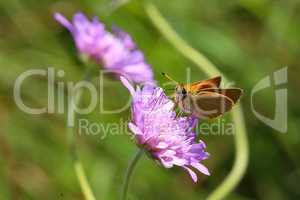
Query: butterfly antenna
(168, 77)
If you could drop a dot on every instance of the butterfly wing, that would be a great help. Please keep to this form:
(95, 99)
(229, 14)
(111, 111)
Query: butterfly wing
(208, 104)
(205, 84)
(232, 93)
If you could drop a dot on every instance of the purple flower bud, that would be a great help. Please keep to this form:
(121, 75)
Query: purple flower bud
(169, 139)
(115, 51)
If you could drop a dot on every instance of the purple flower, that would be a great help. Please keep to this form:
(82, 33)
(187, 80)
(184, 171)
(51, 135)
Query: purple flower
(169, 139)
(116, 51)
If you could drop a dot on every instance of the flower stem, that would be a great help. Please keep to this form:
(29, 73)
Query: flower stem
(71, 134)
(138, 154)
(241, 143)
(84, 184)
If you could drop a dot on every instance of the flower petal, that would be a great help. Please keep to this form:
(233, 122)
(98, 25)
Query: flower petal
(201, 168)
(127, 85)
(192, 174)
(135, 129)
(63, 21)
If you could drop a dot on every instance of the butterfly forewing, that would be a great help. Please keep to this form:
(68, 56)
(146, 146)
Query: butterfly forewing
(197, 86)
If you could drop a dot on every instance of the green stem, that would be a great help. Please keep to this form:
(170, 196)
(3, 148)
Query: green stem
(241, 143)
(83, 182)
(138, 154)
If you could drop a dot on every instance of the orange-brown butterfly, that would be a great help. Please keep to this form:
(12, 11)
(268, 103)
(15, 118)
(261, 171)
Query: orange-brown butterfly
(205, 99)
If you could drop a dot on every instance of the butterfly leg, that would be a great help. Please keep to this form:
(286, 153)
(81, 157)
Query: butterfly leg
(179, 114)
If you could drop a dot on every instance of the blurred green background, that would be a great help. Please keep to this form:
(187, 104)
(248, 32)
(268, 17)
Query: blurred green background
(247, 39)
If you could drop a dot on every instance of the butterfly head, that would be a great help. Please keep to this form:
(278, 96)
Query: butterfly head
(180, 92)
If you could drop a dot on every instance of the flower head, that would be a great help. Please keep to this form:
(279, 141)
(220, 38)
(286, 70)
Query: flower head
(115, 50)
(169, 139)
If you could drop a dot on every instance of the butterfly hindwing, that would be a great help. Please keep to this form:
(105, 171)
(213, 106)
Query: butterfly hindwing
(210, 104)
(232, 93)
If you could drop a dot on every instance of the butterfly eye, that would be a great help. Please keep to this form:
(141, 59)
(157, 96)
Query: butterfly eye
(183, 91)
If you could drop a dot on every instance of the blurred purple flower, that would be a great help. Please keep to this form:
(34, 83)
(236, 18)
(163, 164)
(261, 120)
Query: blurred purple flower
(169, 139)
(116, 51)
